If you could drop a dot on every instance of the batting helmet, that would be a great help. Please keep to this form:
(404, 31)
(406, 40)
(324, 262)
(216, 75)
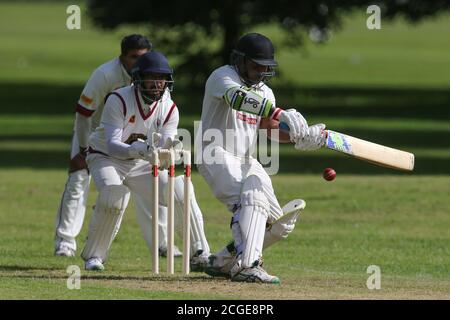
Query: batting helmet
(148, 65)
(257, 48)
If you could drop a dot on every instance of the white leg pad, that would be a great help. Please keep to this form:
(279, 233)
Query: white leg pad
(72, 208)
(198, 238)
(284, 225)
(251, 218)
(109, 208)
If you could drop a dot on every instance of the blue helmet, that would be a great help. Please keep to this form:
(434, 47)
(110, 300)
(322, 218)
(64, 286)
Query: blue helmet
(257, 48)
(147, 66)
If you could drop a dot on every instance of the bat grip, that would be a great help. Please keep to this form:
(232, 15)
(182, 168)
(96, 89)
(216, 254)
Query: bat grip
(284, 127)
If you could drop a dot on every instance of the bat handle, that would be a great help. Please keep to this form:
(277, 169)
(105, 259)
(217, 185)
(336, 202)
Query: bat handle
(284, 127)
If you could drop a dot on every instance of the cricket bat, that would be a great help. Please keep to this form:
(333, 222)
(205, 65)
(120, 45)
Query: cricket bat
(367, 151)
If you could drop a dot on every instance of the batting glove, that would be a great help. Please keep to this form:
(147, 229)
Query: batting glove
(298, 127)
(314, 140)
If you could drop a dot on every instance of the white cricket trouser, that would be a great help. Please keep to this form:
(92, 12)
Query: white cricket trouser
(226, 179)
(72, 208)
(136, 175)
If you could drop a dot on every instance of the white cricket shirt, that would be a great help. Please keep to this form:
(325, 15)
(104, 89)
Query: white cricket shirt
(242, 127)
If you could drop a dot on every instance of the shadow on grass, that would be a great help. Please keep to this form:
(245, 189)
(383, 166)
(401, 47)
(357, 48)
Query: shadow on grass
(289, 163)
(35, 98)
(348, 165)
(13, 268)
(153, 277)
(394, 138)
(348, 102)
(103, 277)
(37, 138)
(364, 102)
(360, 102)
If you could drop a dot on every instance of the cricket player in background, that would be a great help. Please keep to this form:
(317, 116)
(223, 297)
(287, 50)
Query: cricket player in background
(118, 159)
(106, 78)
(237, 98)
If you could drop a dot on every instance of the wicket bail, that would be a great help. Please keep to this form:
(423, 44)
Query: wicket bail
(155, 163)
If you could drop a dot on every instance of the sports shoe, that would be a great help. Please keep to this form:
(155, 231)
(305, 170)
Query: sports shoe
(176, 252)
(215, 270)
(252, 274)
(94, 264)
(199, 261)
(64, 251)
(220, 263)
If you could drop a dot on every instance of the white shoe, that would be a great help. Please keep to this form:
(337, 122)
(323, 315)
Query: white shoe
(252, 274)
(176, 252)
(64, 251)
(199, 261)
(94, 264)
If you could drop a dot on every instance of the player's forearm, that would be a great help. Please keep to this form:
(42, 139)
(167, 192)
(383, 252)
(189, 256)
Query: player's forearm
(281, 137)
(271, 125)
(83, 129)
(116, 148)
(119, 150)
(246, 100)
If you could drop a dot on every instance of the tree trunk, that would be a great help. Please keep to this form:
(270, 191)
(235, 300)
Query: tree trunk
(230, 21)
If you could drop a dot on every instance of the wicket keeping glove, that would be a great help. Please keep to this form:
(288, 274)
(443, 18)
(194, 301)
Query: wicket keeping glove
(140, 149)
(177, 146)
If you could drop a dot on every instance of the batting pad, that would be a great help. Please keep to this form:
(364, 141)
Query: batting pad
(252, 220)
(109, 209)
(284, 225)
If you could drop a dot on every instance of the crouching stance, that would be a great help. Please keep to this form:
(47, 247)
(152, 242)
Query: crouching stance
(119, 160)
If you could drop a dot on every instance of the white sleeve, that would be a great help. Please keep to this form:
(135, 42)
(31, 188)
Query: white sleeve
(269, 95)
(94, 92)
(113, 119)
(116, 148)
(239, 97)
(82, 129)
(216, 85)
(170, 124)
(114, 112)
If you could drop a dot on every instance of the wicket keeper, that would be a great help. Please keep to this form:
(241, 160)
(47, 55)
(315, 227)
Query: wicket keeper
(106, 78)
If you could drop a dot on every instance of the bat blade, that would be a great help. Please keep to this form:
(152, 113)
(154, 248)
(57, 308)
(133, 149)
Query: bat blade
(369, 151)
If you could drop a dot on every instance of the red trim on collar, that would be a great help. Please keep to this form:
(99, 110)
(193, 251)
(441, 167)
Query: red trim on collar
(141, 111)
(170, 113)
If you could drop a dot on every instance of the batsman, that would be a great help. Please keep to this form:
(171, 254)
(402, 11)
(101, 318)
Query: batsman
(238, 100)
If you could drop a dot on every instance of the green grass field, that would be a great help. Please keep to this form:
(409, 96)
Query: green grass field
(389, 86)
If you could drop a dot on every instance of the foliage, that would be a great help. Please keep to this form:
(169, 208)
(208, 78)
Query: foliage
(190, 29)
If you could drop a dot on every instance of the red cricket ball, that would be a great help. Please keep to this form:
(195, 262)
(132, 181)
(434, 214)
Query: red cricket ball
(329, 174)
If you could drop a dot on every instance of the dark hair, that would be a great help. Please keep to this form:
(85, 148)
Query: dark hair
(134, 41)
